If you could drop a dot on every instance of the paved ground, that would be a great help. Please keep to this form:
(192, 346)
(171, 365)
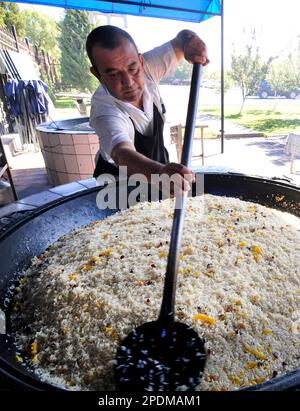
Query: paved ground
(28, 172)
(253, 156)
(30, 181)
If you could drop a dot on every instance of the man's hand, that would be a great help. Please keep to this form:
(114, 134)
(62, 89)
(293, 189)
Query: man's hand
(189, 46)
(195, 51)
(182, 178)
(124, 154)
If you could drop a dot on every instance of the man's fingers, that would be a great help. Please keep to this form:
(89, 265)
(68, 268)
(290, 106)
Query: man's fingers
(178, 168)
(196, 58)
(176, 183)
(176, 178)
(185, 172)
(196, 52)
(175, 188)
(181, 183)
(200, 60)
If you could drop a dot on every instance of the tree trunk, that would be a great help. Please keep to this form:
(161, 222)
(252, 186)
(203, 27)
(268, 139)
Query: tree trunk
(242, 105)
(276, 100)
(243, 102)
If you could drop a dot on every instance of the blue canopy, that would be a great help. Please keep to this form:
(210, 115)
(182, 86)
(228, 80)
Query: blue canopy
(187, 10)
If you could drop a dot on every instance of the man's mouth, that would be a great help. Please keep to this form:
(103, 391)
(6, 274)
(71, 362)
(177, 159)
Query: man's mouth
(130, 90)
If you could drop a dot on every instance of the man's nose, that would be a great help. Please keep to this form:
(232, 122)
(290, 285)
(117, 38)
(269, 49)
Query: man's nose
(127, 80)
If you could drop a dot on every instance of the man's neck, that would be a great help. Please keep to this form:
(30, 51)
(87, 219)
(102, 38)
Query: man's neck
(139, 104)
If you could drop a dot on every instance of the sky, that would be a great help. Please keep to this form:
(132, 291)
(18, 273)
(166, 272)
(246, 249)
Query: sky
(276, 23)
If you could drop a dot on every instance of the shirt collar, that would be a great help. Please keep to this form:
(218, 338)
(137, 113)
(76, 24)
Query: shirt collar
(147, 99)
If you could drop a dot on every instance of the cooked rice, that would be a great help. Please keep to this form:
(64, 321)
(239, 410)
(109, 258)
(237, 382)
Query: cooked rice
(238, 286)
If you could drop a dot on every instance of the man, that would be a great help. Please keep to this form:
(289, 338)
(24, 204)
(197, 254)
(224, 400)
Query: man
(127, 110)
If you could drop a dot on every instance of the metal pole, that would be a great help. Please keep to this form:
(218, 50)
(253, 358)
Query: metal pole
(167, 307)
(222, 76)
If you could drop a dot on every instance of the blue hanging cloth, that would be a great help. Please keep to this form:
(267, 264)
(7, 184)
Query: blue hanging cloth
(38, 97)
(13, 96)
(34, 92)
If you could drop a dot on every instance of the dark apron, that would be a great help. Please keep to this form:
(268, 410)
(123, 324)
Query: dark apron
(150, 146)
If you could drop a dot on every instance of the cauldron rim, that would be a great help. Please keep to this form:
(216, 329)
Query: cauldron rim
(41, 209)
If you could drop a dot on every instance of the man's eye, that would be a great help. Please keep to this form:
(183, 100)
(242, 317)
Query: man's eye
(133, 70)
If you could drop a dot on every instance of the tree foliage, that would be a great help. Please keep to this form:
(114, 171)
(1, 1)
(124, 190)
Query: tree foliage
(290, 78)
(212, 79)
(183, 71)
(284, 76)
(10, 15)
(42, 31)
(247, 68)
(75, 67)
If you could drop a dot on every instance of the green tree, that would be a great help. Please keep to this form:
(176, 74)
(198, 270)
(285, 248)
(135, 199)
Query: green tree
(10, 15)
(247, 68)
(284, 76)
(183, 71)
(292, 74)
(75, 67)
(214, 78)
(274, 77)
(42, 31)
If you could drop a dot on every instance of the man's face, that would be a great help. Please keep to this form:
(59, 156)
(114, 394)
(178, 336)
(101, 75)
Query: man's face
(121, 70)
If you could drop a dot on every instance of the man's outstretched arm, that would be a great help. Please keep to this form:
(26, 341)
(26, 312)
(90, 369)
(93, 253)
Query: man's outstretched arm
(125, 154)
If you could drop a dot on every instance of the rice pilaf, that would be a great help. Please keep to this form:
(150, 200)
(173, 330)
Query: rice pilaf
(238, 286)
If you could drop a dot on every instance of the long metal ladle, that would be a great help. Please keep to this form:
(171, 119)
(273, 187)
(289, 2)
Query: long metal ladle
(166, 355)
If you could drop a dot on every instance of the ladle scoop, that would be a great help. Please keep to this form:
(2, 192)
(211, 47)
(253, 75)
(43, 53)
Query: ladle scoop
(166, 355)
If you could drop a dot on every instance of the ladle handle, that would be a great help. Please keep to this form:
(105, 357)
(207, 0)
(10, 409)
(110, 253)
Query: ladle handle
(166, 316)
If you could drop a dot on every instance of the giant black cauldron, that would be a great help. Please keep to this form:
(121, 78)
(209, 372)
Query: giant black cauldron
(32, 235)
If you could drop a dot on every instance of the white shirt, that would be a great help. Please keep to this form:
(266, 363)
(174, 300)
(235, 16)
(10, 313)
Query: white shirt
(111, 117)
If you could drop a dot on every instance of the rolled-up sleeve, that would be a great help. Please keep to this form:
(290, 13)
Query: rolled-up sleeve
(111, 124)
(160, 62)
(111, 130)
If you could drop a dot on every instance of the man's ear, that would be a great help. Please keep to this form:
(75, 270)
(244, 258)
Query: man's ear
(141, 58)
(95, 72)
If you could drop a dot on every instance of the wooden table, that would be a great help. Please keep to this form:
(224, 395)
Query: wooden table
(79, 99)
(177, 138)
(202, 127)
(292, 146)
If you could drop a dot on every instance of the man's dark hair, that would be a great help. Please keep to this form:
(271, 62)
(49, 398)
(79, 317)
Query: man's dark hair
(108, 37)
